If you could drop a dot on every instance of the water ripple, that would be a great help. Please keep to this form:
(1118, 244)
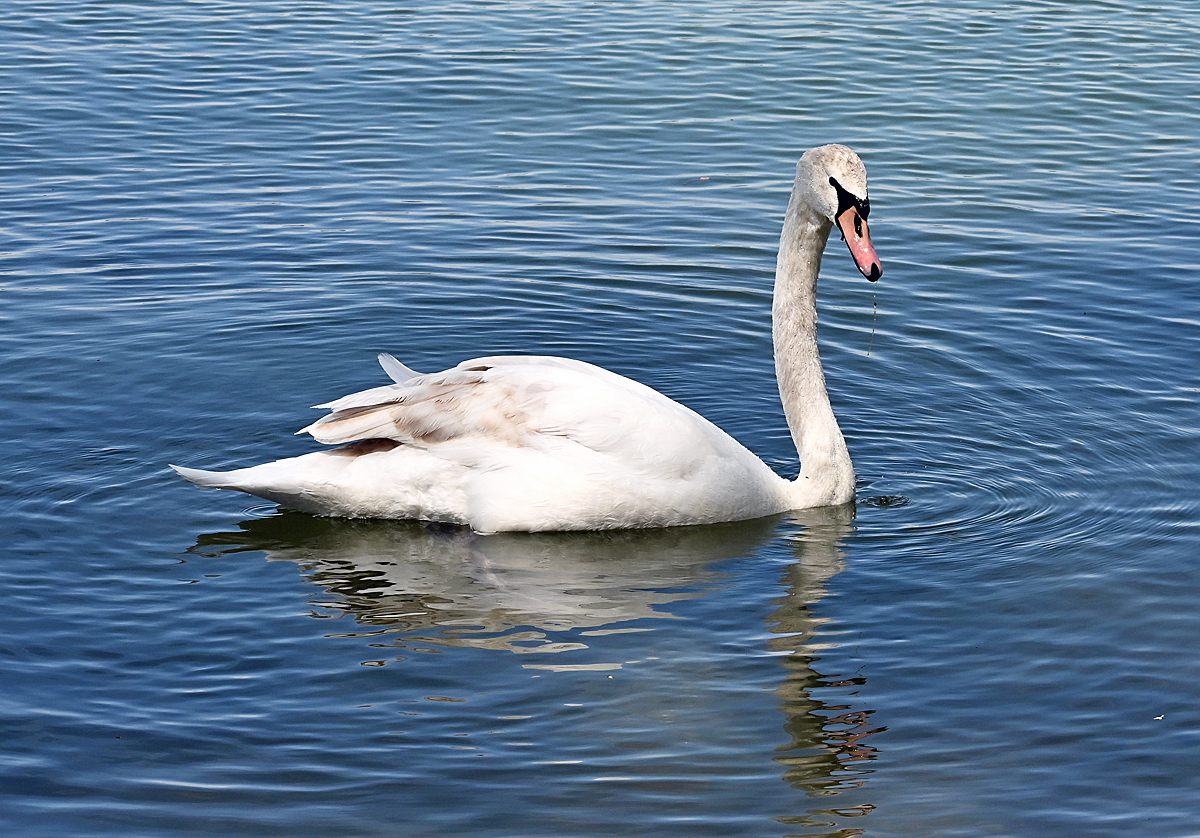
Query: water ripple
(216, 213)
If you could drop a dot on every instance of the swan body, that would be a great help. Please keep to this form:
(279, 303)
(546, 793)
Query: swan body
(530, 443)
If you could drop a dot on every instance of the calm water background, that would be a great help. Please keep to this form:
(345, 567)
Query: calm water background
(214, 214)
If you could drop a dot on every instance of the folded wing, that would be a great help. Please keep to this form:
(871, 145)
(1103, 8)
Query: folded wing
(520, 401)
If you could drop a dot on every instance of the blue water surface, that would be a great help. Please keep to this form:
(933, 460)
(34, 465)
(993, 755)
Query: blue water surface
(215, 214)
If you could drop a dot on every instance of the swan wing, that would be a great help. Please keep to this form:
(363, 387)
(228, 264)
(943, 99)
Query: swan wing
(514, 401)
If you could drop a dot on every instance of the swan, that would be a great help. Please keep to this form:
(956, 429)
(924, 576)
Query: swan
(532, 443)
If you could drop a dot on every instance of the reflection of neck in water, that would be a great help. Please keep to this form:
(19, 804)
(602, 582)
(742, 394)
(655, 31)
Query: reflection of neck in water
(825, 753)
(471, 590)
(429, 584)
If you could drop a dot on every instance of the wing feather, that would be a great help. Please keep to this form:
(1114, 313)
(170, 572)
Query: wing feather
(396, 370)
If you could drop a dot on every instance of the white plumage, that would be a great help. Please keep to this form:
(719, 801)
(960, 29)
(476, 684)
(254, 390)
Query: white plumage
(537, 443)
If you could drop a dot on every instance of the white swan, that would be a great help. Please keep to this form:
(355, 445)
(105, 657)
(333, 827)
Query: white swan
(535, 443)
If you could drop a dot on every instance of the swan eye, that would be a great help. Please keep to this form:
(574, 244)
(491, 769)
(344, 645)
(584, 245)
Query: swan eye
(846, 200)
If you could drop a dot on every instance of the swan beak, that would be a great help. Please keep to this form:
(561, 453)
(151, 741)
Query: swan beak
(858, 239)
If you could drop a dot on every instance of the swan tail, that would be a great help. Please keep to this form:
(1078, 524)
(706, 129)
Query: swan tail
(274, 481)
(206, 479)
(287, 482)
(362, 480)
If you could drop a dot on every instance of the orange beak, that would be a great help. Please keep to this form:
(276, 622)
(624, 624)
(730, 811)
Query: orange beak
(858, 239)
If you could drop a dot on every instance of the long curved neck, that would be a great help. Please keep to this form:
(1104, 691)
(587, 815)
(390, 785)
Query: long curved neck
(826, 474)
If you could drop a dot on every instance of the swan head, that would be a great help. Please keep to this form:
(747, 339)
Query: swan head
(832, 180)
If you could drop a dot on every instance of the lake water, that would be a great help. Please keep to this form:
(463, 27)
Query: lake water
(215, 214)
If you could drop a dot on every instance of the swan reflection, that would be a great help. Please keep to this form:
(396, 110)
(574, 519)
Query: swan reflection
(826, 753)
(472, 590)
(545, 592)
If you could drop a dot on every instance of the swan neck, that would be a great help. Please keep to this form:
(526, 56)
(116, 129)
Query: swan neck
(826, 473)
